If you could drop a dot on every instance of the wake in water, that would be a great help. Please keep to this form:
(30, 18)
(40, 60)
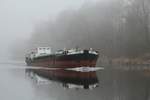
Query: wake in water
(12, 65)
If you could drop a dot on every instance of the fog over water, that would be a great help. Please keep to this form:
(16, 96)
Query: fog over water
(113, 84)
(118, 29)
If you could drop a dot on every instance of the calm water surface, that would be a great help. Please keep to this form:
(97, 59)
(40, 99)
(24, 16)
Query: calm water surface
(113, 85)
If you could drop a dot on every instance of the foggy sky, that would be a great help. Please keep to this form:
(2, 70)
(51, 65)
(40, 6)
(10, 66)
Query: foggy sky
(18, 18)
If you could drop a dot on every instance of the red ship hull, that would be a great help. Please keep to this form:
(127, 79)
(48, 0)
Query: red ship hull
(64, 61)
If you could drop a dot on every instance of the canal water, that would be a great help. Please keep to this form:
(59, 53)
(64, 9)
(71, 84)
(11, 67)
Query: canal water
(114, 84)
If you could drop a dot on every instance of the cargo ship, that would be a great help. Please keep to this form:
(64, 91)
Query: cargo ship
(71, 58)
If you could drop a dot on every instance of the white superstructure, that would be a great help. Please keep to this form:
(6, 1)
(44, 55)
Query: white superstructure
(40, 51)
(76, 51)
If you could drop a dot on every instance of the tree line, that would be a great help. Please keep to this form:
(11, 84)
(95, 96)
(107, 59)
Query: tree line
(116, 28)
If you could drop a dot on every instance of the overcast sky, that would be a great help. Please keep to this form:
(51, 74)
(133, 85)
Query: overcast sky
(18, 17)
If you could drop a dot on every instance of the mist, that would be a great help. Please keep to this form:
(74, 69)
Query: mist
(19, 17)
(118, 29)
(115, 28)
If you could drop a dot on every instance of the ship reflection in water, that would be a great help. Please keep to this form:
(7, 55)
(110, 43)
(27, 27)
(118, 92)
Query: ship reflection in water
(115, 83)
(67, 78)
